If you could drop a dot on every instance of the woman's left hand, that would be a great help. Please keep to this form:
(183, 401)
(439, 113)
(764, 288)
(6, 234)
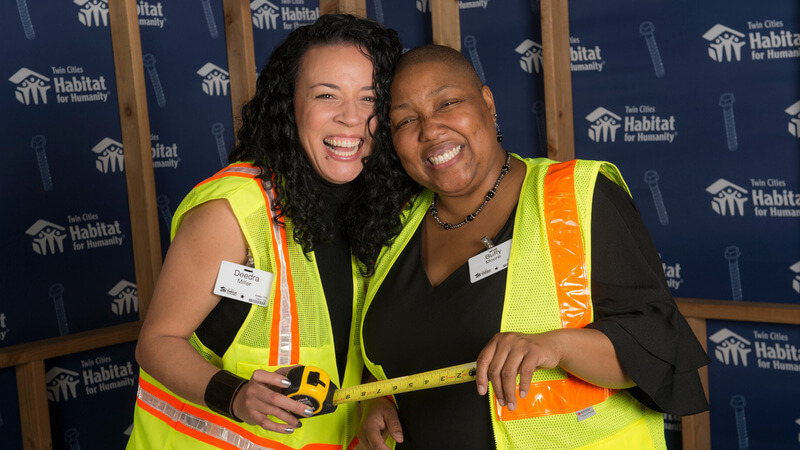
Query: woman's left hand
(509, 354)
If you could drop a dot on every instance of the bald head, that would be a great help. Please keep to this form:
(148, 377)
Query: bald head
(451, 59)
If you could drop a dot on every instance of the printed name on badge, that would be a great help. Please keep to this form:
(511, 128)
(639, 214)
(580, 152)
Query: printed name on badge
(243, 283)
(489, 261)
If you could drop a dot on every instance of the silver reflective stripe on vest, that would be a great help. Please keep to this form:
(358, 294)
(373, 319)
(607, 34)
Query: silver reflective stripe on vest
(285, 322)
(198, 424)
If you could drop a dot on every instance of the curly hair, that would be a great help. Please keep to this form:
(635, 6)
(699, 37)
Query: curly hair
(268, 136)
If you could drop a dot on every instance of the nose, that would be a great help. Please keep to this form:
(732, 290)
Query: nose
(429, 129)
(351, 114)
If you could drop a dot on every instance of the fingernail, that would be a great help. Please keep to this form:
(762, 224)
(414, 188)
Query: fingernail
(308, 412)
(288, 429)
(481, 389)
(522, 394)
(286, 382)
(512, 406)
(299, 424)
(501, 401)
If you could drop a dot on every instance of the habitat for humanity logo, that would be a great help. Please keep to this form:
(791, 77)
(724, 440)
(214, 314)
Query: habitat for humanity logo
(94, 13)
(74, 87)
(3, 327)
(767, 40)
(469, 4)
(584, 58)
(672, 272)
(796, 281)
(640, 124)
(61, 384)
(266, 13)
(109, 156)
(31, 86)
(126, 298)
(794, 122)
(98, 375)
(770, 198)
(531, 56)
(425, 5)
(773, 351)
(215, 79)
(164, 155)
(85, 232)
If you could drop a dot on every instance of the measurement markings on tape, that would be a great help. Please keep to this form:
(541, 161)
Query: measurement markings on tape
(435, 378)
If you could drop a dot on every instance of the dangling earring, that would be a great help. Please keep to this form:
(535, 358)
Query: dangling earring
(497, 127)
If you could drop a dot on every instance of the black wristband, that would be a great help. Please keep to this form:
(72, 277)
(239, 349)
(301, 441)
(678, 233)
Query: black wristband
(221, 390)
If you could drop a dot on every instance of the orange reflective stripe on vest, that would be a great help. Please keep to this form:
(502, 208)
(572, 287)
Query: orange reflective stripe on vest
(206, 426)
(284, 333)
(566, 246)
(568, 258)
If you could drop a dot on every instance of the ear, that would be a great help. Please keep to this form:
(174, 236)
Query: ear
(488, 98)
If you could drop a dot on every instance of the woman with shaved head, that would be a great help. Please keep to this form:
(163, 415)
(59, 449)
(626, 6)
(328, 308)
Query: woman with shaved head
(541, 271)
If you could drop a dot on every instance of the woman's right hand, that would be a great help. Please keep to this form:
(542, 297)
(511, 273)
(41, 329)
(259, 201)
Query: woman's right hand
(380, 421)
(261, 398)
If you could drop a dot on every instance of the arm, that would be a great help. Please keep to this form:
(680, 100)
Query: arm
(183, 297)
(585, 353)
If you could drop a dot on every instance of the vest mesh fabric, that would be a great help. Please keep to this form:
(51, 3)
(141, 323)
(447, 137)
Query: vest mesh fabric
(250, 349)
(531, 282)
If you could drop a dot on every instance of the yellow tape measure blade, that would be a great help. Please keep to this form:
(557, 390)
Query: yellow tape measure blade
(462, 373)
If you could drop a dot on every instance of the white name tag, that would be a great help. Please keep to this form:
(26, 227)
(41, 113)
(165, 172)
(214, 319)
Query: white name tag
(585, 413)
(243, 283)
(489, 261)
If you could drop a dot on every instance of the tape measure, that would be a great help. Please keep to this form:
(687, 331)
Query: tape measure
(313, 387)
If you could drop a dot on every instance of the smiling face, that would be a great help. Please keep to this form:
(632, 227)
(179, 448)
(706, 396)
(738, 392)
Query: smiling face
(333, 101)
(442, 128)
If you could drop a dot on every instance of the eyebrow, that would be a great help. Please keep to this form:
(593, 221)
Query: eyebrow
(336, 87)
(428, 95)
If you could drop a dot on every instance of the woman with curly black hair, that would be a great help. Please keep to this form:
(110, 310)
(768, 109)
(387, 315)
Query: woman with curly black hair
(269, 256)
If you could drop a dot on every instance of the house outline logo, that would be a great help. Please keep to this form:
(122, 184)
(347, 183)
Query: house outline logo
(604, 125)
(215, 79)
(30, 86)
(47, 237)
(61, 384)
(796, 281)
(93, 12)
(730, 347)
(109, 156)
(794, 122)
(725, 44)
(728, 198)
(531, 56)
(265, 14)
(126, 298)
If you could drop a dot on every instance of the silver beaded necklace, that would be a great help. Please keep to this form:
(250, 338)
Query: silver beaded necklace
(471, 217)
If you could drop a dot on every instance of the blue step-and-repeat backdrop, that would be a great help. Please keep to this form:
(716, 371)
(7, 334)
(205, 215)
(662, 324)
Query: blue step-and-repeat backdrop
(697, 103)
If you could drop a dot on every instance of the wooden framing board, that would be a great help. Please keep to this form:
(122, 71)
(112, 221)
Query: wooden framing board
(241, 56)
(446, 22)
(557, 80)
(135, 125)
(33, 412)
(354, 7)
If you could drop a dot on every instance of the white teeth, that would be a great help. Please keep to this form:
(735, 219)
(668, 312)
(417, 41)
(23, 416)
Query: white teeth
(346, 143)
(446, 156)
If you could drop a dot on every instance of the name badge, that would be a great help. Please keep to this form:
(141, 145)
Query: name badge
(243, 283)
(489, 261)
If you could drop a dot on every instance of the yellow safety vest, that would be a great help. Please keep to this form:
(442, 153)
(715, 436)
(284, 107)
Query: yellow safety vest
(294, 328)
(548, 287)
